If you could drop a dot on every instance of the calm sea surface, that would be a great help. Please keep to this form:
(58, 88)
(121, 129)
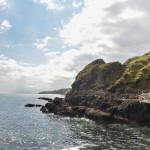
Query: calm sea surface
(24, 128)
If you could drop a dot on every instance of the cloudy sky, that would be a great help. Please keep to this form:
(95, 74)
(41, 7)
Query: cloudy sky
(45, 43)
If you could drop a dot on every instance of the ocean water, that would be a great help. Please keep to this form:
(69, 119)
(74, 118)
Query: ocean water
(24, 128)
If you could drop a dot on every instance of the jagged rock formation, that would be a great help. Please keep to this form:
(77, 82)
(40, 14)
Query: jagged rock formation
(100, 90)
(103, 86)
(99, 109)
(132, 76)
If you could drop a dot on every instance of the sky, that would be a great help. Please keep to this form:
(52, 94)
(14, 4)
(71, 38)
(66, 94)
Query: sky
(45, 43)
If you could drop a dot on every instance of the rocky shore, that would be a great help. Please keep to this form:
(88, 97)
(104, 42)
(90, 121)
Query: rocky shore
(100, 108)
(108, 91)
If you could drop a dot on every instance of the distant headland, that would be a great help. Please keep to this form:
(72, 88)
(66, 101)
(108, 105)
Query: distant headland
(60, 91)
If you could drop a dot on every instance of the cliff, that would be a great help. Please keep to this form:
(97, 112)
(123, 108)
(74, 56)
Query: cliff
(108, 91)
(105, 86)
(132, 76)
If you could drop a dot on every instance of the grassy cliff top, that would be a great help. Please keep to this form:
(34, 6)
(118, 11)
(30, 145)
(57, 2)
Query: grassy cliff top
(134, 73)
(135, 69)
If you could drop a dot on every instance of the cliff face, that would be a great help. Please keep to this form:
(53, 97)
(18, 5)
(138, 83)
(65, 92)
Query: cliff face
(99, 88)
(133, 75)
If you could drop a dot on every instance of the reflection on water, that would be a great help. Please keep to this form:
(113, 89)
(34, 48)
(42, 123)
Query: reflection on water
(27, 129)
(111, 136)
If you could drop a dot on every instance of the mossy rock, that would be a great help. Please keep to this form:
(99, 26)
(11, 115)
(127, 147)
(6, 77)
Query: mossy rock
(133, 74)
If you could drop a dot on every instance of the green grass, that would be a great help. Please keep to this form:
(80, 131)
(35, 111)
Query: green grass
(135, 69)
(97, 75)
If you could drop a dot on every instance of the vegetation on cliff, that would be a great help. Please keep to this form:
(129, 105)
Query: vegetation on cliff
(107, 91)
(134, 74)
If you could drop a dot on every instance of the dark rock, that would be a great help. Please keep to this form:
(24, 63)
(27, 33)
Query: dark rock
(30, 105)
(135, 110)
(66, 111)
(58, 100)
(101, 89)
(97, 76)
(99, 108)
(33, 105)
(38, 105)
(113, 107)
(44, 109)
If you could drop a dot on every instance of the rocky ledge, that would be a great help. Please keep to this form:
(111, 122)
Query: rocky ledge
(100, 109)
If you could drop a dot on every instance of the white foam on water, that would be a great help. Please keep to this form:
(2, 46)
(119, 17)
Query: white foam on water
(84, 119)
(74, 148)
(78, 147)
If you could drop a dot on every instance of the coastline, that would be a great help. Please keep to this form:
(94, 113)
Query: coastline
(121, 111)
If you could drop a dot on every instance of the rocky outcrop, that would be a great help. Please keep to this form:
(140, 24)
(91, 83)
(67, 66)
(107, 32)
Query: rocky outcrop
(33, 105)
(134, 110)
(131, 77)
(98, 108)
(97, 75)
(108, 91)
(129, 109)
(64, 109)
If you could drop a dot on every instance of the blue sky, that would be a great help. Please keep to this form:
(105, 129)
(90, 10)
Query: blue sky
(45, 43)
(31, 21)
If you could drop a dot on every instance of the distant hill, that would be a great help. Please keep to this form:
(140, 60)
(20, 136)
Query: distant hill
(60, 91)
(132, 76)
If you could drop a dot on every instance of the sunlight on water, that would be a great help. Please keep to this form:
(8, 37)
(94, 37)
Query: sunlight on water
(24, 128)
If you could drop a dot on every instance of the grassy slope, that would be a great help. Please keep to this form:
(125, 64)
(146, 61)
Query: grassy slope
(134, 73)
(136, 69)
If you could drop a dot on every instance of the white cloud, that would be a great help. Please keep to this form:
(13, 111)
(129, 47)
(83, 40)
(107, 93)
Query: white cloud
(111, 30)
(108, 28)
(84, 27)
(32, 86)
(46, 39)
(45, 49)
(131, 14)
(19, 77)
(50, 4)
(59, 72)
(3, 4)
(53, 54)
(41, 44)
(76, 4)
(5, 25)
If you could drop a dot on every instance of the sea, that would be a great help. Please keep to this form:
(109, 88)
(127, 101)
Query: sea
(23, 128)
